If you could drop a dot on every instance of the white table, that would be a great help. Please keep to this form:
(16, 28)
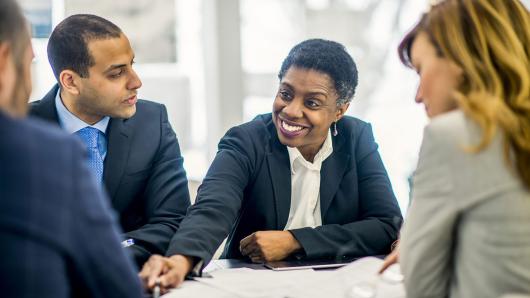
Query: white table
(232, 278)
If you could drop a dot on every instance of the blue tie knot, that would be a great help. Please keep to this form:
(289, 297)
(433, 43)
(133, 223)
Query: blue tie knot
(90, 136)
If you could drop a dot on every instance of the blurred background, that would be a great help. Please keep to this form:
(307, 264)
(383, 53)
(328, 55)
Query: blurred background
(214, 64)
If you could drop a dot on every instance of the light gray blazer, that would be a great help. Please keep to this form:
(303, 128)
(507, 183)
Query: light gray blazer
(467, 233)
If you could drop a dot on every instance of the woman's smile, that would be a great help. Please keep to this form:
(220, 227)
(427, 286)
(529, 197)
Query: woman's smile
(291, 129)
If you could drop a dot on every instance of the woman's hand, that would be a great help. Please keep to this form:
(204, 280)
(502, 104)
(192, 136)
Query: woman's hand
(266, 246)
(391, 259)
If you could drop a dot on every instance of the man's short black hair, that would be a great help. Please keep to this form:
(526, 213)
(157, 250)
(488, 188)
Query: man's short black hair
(68, 44)
(327, 57)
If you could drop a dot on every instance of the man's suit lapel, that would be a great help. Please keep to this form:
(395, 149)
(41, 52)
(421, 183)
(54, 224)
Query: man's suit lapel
(118, 136)
(118, 148)
(280, 173)
(331, 173)
(45, 108)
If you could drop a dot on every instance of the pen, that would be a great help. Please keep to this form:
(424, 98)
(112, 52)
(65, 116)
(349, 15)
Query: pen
(156, 290)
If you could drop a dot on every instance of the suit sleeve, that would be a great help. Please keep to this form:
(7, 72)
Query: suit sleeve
(100, 261)
(167, 197)
(379, 213)
(219, 199)
(427, 236)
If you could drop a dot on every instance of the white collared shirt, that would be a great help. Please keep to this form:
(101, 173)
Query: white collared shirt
(305, 187)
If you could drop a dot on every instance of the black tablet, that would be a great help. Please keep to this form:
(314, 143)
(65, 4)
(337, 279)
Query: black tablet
(308, 264)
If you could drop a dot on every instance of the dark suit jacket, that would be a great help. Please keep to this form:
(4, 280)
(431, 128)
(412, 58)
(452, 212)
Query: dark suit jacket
(143, 174)
(248, 189)
(58, 237)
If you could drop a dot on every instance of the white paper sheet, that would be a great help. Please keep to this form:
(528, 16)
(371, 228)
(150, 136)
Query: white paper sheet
(357, 280)
(245, 282)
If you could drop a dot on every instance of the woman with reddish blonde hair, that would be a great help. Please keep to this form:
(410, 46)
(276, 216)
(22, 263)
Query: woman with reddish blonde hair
(467, 233)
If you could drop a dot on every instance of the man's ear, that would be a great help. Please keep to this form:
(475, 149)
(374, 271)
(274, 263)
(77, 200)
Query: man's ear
(7, 74)
(69, 81)
(5, 55)
(341, 110)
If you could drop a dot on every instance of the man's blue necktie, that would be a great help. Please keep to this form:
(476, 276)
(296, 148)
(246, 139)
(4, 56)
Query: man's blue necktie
(89, 136)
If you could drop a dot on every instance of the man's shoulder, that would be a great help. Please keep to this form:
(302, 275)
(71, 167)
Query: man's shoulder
(47, 99)
(37, 131)
(37, 149)
(36, 106)
(149, 115)
(148, 108)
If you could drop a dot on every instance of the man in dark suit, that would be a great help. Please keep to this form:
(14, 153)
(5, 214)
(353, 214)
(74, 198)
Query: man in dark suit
(133, 151)
(58, 236)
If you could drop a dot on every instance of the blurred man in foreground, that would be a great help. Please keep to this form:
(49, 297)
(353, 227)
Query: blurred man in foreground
(58, 236)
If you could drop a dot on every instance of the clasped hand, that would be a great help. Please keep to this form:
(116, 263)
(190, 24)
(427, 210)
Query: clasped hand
(168, 272)
(266, 246)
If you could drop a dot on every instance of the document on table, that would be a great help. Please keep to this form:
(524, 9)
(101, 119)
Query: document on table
(357, 280)
(246, 282)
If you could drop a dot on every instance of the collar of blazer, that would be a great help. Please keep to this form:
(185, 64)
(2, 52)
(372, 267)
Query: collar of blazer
(331, 173)
(118, 139)
(45, 108)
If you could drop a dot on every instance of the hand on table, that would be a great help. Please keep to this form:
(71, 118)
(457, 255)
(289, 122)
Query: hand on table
(169, 272)
(266, 246)
(390, 260)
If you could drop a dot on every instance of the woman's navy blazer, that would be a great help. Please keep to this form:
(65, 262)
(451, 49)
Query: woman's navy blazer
(248, 189)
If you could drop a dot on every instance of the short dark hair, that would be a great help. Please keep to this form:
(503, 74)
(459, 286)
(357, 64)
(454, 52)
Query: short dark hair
(68, 44)
(14, 30)
(328, 57)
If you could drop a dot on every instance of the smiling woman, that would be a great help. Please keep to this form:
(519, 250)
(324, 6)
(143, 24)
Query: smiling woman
(304, 181)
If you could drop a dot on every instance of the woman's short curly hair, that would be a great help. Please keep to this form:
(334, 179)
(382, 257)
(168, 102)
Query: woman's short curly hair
(327, 57)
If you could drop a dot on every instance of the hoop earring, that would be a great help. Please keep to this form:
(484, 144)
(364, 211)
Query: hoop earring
(335, 132)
